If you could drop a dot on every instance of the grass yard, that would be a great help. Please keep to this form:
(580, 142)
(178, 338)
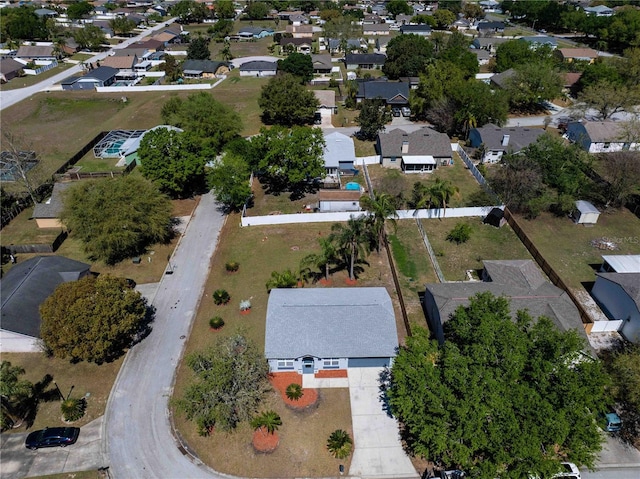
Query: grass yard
(90, 164)
(413, 266)
(567, 246)
(394, 181)
(87, 380)
(486, 242)
(259, 251)
(29, 80)
(266, 204)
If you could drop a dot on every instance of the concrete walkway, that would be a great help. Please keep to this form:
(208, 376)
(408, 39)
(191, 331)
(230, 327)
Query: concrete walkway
(378, 452)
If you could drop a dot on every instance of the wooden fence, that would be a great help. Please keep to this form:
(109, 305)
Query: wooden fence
(38, 248)
(587, 320)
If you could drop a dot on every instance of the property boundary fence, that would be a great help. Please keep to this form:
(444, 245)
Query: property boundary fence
(587, 320)
(476, 173)
(38, 248)
(432, 255)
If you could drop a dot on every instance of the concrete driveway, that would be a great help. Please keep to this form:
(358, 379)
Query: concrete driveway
(84, 455)
(378, 452)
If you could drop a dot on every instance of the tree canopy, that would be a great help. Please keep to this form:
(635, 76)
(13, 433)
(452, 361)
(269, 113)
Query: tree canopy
(298, 64)
(174, 161)
(230, 382)
(407, 55)
(205, 118)
(500, 398)
(284, 101)
(229, 180)
(92, 319)
(374, 115)
(117, 218)
(533, 83)
(15, 393)
(21, 23)
(397, 7)
(198, 49)
(289, 158)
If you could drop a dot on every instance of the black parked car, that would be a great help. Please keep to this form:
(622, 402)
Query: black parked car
(51, 437)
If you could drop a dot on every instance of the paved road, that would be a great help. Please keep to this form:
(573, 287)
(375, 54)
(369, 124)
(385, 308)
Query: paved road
(138, 436)
(11, 97)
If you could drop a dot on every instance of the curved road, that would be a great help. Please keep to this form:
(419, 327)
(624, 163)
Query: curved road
(11, 97)
(138, 438)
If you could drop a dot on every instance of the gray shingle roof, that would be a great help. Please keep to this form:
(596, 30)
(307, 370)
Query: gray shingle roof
(501, 79)
(519, 137)
(34, 51)
(205, 66)
(391, 92)
(521, 285)
(604, 131)
(365, 58)
(53, 207)
(28, 284)
(629, 282)
(424, 141)
(102, 73)
(330, 323)
(259, 65)
(409, 29)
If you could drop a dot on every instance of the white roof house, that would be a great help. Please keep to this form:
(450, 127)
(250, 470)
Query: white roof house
(621, 263)
(339, 152)
(310, 329)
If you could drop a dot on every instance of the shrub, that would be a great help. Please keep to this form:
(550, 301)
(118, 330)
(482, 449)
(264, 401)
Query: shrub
(460, 233)
(294, 391)
(270, 420)
(72, 409)
(340, 444)
(232, 266)
(216, 322)
(221, 296)
(245, 305)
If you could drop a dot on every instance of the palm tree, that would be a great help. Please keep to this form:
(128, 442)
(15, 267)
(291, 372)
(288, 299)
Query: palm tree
(382, 208)
(269, 420)
(323, 260)
(286, 279)
(339, 444)
(225, 53)
(352, 240)
(442, 191)
(14, 392)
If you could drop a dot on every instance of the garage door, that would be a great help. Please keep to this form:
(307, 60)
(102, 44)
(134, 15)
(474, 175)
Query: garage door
(368, 362)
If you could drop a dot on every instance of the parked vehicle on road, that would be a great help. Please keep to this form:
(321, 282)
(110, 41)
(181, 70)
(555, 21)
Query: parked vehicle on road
(569, 471)
(52, 437)
(613, 423)
(406, 111)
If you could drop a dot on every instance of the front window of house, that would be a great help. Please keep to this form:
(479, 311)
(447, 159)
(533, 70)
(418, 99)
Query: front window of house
(285, 364)
(331, 363)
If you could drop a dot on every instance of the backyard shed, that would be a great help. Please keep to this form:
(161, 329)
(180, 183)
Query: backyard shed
(585, 213)
(312, 329)
(495, 218)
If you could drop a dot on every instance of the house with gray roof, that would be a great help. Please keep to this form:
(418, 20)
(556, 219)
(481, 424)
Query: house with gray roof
(501, 80)
(599, 11)
(423, 30)
(618, 294)
(375, 29)
(255, 32)
(496, 141)
(258, 68)
(364, 61)
(207, 69)
(392, 92)
(45, 13)
(488, 43)
(314, 329)
(421, 151)
(47, 214)
(31, 53)
(321, 63)
(9, 69)
(490, 28)
(536, 42)
(601, 136)
(520, 281)
(299, 45)
(335, 45)
(24, 288)
(98, 77)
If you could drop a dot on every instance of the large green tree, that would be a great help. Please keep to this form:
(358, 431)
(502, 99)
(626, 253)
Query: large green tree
(117, 218)
(519, 52)
(624, 367)
(122, 25)
(289, 158)
(229, 180)
(174, 161)
(208, 120)
(89, 36)
(500, 398)
(21, 24)
(532, 84)
(608, 98)
(92, 319)
(229, 384)
(407, 55)
(284, 101)
(198, 49)
(224, 9)
(256, 10)
(78, 10)
(299, 65)
(381, 207)
(397, 7)
(373, 117)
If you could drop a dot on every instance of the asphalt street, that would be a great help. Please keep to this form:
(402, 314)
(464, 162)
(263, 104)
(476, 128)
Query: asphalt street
(139, 442)
(11, 97)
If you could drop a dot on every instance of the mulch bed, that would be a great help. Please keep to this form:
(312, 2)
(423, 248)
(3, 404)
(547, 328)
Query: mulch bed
(336, 373)
(280, 381)
(264, 442)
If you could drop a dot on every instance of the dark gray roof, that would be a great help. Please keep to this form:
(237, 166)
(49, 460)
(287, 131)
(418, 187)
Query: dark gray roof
(28, 284)
(490, 26)
(259, 65)
(424, 141)
(482, 42)
(330, 323)
(391, 92)
(296, 41)
(362, 58)
(53, 207)
(34, 51)
(255, 30)
(9, 65)
(351, 42)
(102, 73)
(205, 66)
(322, 60)
(501, 79)
(522, 284)
(519, 137)
(629, 282)
(408, 29)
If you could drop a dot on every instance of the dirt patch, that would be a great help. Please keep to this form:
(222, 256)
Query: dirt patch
(280, 381)
(263, 442)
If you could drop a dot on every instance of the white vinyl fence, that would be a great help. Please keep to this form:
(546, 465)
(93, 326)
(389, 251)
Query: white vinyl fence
(604, 326)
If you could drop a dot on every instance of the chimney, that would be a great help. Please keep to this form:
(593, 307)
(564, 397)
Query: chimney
(505, 140)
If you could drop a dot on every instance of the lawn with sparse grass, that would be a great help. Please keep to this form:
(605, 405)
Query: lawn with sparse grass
(29, 80)
(486, 243)
(265, 203)
(259, 251)
(81, 379)
(567, 246)
(394, 181)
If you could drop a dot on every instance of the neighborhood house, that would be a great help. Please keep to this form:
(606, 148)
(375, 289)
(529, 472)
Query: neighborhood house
(419, 152)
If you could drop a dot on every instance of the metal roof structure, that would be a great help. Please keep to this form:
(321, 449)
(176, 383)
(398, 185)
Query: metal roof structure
(622, 263)
(116, 143)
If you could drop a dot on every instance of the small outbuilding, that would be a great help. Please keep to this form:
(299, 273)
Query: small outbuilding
(585, 213)
(495, 218)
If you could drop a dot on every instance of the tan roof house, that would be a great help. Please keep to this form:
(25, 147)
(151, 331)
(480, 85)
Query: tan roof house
(580, 54)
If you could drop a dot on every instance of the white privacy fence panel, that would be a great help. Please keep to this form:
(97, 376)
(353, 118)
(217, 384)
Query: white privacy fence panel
(605, 326)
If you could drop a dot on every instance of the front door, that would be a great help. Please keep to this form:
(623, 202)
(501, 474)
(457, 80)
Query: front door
(307, 366)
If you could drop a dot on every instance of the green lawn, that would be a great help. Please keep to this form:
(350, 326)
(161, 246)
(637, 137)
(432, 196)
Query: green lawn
(259, 251)
(90, 164)
(567, 246)
(29, 80)
(486, 242)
